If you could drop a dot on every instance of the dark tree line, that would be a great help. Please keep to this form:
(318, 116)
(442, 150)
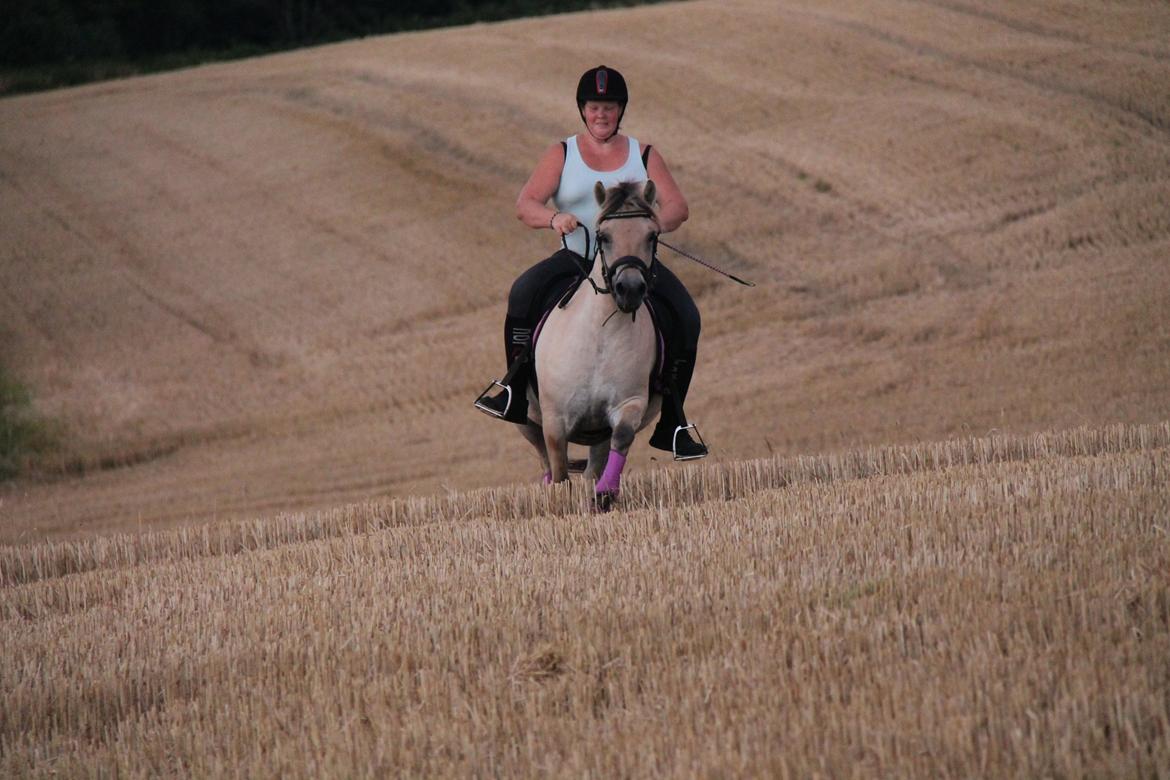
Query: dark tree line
(45, 32)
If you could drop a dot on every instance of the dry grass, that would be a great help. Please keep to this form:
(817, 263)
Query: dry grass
(993, 606)
(276, 284)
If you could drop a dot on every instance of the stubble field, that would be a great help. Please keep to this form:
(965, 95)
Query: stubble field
(277, 284)
(982, 607)
(257, 298)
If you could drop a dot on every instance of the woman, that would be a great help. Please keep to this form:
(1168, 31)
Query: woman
(566, 175)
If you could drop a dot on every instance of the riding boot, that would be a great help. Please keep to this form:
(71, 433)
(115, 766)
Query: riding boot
(512, 406)
(678, 381)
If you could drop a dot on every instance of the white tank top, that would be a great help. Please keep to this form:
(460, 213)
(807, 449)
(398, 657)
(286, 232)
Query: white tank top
(575, 193)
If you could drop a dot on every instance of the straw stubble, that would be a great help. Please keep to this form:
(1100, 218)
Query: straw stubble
(994, 606)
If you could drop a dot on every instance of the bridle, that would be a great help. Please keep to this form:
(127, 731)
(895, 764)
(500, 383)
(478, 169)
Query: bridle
(609, 273)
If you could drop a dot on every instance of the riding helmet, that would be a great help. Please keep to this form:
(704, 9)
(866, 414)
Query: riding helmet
(602, 83)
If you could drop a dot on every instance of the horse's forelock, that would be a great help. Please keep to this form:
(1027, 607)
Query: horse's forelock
(627, 193)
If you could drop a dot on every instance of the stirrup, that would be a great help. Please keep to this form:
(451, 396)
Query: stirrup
(479, 404)
(699, 436)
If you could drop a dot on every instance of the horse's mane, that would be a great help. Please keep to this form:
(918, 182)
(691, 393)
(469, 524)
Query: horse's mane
(626, 193)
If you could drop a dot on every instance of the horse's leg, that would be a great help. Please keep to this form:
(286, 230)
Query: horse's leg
(556, 444)
(625, 420)
(597, 456)
(535, 437)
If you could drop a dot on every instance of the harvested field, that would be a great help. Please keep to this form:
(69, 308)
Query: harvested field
(257, 298)
(993, 607)
(276, 284)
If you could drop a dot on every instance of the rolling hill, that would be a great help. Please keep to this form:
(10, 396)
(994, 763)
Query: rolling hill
(276, 284)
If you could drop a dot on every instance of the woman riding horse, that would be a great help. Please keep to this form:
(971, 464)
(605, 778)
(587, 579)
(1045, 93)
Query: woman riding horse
(567, 175)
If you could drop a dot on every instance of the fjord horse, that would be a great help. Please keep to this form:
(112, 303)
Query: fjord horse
(595, 353)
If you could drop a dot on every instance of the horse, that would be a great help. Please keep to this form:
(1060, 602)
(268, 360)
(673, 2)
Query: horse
(594, 355)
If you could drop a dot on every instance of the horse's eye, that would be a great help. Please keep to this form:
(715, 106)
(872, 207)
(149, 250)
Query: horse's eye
(603, 238)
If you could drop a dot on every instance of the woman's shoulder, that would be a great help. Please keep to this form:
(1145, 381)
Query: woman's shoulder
(555, 151)
(645, 150)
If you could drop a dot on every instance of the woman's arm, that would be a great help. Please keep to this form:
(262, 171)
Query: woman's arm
(672, 206)
(532, 206)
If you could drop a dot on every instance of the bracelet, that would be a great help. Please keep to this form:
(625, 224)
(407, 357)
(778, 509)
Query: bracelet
(550, 220)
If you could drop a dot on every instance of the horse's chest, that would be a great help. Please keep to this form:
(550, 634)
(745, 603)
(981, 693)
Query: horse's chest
(588, 362)
(594, 369)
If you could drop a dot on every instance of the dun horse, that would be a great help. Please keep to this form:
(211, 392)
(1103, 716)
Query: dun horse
(595, 354)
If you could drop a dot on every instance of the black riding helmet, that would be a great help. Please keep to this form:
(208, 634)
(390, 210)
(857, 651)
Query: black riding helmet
(602, 83)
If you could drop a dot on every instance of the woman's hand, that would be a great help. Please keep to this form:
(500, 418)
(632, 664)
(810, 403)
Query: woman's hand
(563, 223)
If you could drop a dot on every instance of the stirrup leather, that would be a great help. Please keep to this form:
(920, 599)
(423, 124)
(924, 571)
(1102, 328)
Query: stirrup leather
(699, 436)
(479, 404)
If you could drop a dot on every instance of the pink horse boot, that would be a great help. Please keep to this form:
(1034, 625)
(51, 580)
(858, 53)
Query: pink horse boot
(610, 483)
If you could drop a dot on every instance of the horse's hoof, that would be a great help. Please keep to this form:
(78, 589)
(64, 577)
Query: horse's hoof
(604, 500)
(547, 478)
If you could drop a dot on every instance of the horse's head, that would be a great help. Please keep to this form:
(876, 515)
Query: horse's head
(627, 238)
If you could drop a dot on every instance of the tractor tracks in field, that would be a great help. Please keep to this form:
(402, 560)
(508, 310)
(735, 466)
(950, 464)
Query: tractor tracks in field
(1041, 30)
(1086, 135)
(1121, 109)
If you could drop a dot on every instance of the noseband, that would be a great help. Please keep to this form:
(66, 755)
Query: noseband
(609, 273)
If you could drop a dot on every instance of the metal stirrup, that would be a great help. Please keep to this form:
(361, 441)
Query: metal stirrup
(672, 387)
(479, 404)
(504, 384)
(674, 443)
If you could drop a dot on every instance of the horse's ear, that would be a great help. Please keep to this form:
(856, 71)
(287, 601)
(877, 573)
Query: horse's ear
(599, 193)
(649, 191)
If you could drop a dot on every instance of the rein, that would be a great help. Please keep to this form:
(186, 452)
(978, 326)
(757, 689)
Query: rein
(608, 273)
(705, 264)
